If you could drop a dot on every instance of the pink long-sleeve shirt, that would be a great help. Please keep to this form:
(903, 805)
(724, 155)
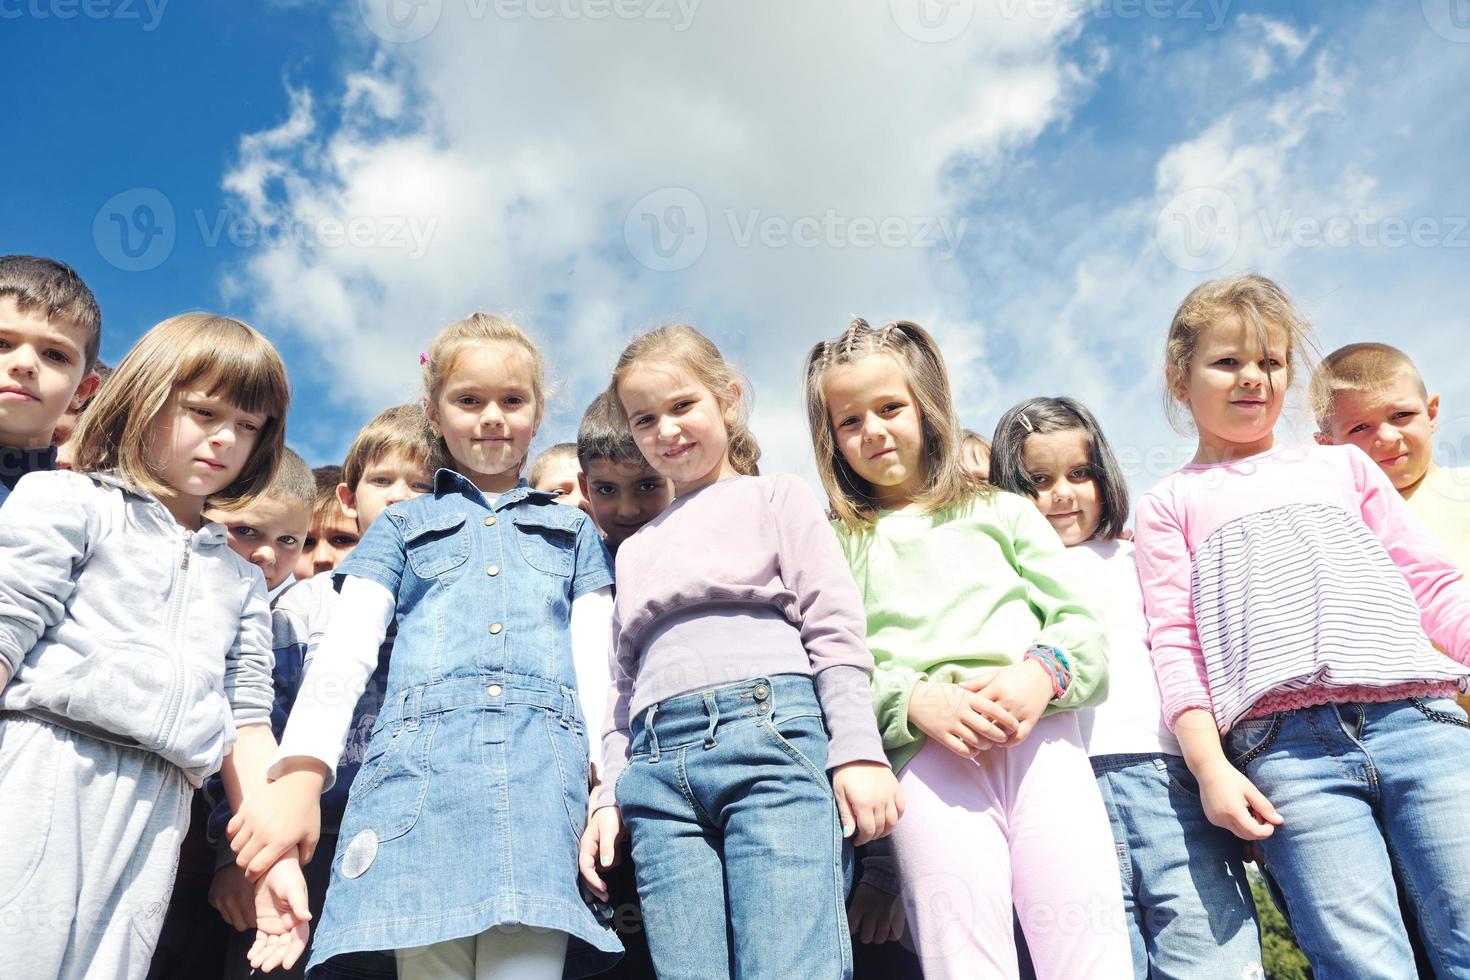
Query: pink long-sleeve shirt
(1292, 578)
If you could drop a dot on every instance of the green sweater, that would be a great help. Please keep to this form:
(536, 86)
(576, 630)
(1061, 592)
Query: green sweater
(950, 592)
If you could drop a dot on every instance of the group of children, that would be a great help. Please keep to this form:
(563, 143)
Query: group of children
(431, 719)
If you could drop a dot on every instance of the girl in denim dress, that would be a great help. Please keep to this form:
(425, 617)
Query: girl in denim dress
(458, 848)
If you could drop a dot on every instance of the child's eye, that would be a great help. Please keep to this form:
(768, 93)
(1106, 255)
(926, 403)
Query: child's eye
(1360, 427)
(515, 400)
(1405, 415)
(380, 481)
(309, 544)
(681, 406)
(342, 541)
(244, 531)
(1226, 362)
(892, 407)
(650, 486)
(287, 540)
(1272, 364)
(250, 426)
(201, 412)
(1040, 480)
(851, 420)
(642, 420)
(423, 487)
(467, 400)
(605, 491)
(60, 357)
(1081, 473)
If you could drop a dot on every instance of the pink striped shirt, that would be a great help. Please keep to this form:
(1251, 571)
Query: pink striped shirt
(1291, 578)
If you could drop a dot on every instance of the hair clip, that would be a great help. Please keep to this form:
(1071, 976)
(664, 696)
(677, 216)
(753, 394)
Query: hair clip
(1025, 422)
(423, 358)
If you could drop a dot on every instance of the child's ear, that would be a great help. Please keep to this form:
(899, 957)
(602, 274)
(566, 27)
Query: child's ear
(1323, 439)
(732, 410)
(1432, 409)
(582, 485)
(347, 499)
(85, 391)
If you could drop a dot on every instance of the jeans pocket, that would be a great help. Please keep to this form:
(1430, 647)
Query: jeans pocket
(1248, 739)
(1181, 779)
(1446, 711)
(548, 540)
(437, 546)
(390, 788)
(804, 739)
(569, 748)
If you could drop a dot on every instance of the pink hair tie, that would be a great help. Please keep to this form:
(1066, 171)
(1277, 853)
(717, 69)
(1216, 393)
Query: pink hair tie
(423, 358)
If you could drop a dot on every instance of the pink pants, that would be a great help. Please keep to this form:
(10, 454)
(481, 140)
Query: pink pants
(1023, 825)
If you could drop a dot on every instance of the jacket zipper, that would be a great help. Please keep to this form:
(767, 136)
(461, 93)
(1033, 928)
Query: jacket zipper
(176, 611)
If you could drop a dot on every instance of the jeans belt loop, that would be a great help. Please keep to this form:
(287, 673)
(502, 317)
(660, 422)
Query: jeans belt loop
(712, 709)
(652, 735)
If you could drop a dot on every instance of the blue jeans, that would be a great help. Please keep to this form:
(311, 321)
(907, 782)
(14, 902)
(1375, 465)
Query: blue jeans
(741, 864)
(1370, 792)
(1190, 912)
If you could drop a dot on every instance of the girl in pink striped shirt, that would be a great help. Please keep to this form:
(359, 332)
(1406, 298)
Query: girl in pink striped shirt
(1288, 594)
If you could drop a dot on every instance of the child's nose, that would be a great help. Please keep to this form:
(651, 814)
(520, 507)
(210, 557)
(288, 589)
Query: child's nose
(264, 556)
(21, 361)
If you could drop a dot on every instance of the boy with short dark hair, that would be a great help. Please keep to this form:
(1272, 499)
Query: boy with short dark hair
(50, 332)
(333, 530)
(555, 471)
(623, 491)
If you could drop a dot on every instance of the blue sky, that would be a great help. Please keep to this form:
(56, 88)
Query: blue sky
(1039, 181)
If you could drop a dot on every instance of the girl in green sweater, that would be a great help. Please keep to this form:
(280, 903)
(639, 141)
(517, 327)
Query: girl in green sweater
(984, 648)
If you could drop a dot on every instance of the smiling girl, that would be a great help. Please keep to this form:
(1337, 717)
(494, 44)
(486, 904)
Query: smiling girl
(458, 847)
(139, 646)
(1288, 594)
(742, 683)
(984, 645)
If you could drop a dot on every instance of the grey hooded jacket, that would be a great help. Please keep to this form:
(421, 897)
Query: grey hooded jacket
(119, 624)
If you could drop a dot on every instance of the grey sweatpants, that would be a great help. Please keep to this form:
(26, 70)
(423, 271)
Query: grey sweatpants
(90, 848)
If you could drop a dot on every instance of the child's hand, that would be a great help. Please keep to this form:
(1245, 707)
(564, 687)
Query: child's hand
(281, 916)
(600, 847)
(959, 719)
(874, 916)
(279, 817)
(868, 800)
(1022, 690)
(1231, 801)
(232, 894)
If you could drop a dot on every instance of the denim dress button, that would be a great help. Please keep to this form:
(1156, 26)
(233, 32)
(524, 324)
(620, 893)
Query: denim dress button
(490, 521)
(495, 690)
(492, 570)
(495, 628)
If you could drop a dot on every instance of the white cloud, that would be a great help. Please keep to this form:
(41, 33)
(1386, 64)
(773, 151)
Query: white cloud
(525, 142)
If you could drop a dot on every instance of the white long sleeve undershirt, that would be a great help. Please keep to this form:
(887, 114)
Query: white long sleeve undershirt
(348, 655)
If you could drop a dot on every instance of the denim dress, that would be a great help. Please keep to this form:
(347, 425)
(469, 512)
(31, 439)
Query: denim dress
(471, 798)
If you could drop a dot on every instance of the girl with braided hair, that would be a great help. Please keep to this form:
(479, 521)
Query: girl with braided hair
(742, 688)
(984, 647)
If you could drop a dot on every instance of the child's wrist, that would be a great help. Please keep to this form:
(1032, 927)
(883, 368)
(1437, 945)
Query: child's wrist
(1055, 665)
(303, 770)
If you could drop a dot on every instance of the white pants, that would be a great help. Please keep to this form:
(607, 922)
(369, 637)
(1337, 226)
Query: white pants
(502, 953)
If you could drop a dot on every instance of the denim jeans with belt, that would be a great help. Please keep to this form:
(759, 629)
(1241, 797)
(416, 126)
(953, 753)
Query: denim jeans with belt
(1369, 792)
(742, 867)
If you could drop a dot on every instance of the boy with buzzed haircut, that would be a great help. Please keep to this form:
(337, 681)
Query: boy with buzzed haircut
(623, 491)
(271, 532)
(333, 530)
(50, 332)
(393, 458)
(555, 471)
(1373, 397)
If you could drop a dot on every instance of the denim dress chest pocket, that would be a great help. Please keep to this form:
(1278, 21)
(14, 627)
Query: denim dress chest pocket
(548, 538)
(437, 547)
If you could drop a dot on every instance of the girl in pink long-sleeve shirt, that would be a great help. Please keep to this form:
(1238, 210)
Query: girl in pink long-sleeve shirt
(1289, 593)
